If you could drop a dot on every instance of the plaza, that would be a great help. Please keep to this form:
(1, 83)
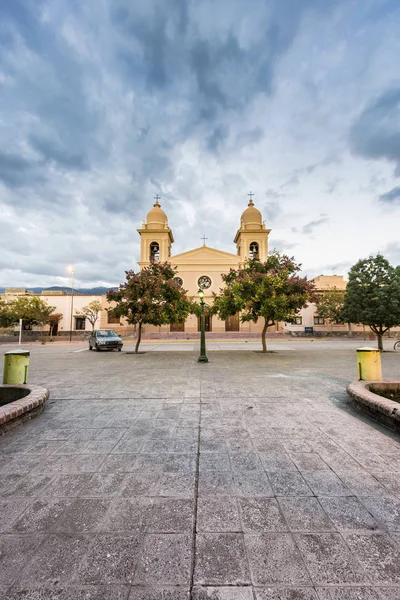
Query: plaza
(155, 477)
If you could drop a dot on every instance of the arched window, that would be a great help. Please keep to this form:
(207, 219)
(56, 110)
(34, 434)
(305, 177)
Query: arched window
(253, 250)
(154, 252)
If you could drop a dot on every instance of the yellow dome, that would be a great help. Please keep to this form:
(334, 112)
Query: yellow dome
(156, 217)
(252, 216)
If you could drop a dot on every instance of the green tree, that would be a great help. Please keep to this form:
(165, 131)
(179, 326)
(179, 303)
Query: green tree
(272, 291)
(330, 304)
(31, 309)
(91, 312)
(373, 295)
(151, 296)
(7, 319)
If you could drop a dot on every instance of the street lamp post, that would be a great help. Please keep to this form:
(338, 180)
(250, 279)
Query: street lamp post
(72, 302)
(203, 357)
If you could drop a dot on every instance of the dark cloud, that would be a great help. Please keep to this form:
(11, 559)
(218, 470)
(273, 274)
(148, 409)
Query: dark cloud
(17, 171)
(376, 132)
(390, 198)
(309, 228)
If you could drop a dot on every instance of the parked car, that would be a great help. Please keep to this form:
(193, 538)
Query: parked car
(105, 339)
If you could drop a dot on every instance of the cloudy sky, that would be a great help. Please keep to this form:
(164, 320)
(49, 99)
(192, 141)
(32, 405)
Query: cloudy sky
(105, 103)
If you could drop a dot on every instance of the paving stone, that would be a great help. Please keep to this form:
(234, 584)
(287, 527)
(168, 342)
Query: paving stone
(326, 483)
(98, 592)
(10, 510)
(57, 559)
(305, 593)
(217, 515)
(121, 463)
(246, 461)
(42, 515)
(362, 483)
(305, 514)
(22, 485)
(222, 593)
(216, 484)
(214, 463)
(165, 560)
(289, 484)
(275, 559)
(111, 559)
(379, 555)
(347, 593)
(277, 462)
(15, 553)
(83, 515)
(140, 484)
(309, 461)
(127, 515)
(103, 484)
(347, 513)
(261, 514)
(67, 485)
(385, 510)
(129, 446)
(251, 483)
(164, 593)
(328, 559)
(220, 560)
(171, 516)
(177, 485)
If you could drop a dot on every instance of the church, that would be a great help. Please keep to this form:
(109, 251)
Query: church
(202, 267)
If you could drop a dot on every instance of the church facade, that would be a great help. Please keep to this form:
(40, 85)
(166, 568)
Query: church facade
(202, 267)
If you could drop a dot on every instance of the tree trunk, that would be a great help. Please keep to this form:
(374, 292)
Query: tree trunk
(350, 330)
(139, 337)
(263, 333)
(380, 342)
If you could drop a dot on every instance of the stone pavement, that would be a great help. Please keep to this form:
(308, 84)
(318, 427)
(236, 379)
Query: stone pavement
(154, 477)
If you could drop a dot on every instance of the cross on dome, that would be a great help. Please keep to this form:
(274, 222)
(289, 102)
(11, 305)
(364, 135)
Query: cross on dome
(250, 194)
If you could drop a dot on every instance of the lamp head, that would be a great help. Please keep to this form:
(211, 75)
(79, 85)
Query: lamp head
(200, 294)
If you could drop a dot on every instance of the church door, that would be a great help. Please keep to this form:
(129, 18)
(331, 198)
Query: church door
(232, 323)
(177, 327)
(207, 323)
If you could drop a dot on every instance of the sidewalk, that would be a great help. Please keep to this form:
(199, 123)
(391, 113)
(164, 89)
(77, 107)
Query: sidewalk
(154, 477)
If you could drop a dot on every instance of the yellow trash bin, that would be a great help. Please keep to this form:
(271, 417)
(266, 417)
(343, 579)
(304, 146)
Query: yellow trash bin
(16, 366)
(369, 364)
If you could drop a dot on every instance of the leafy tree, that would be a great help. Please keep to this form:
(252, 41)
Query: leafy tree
(53, 320)
(7, 319)
(272, 291)
(373, 295)
(91, 312)
(31, 309)
(151, 296)
(330, 304)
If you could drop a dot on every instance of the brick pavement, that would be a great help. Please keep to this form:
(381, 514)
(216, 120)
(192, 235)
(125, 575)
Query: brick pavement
(154, 477)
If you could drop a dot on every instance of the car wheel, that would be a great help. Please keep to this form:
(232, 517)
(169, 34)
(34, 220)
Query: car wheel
(90, 347)
(97, 348)
(119, 349)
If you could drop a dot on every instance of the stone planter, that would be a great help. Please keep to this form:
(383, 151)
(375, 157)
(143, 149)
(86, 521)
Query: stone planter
(20, 403)
(377, 407)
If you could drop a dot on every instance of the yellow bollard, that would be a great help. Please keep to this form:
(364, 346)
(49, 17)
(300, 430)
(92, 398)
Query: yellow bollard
(16, 367)
(369, 364)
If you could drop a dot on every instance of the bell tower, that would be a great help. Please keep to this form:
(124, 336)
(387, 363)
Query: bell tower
(252, 237)
(155, 236)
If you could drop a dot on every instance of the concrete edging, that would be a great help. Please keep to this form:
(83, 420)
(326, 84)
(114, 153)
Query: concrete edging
(17, 412)
(375, 406)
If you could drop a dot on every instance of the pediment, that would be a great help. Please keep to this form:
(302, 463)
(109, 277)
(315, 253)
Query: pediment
(205, 254)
